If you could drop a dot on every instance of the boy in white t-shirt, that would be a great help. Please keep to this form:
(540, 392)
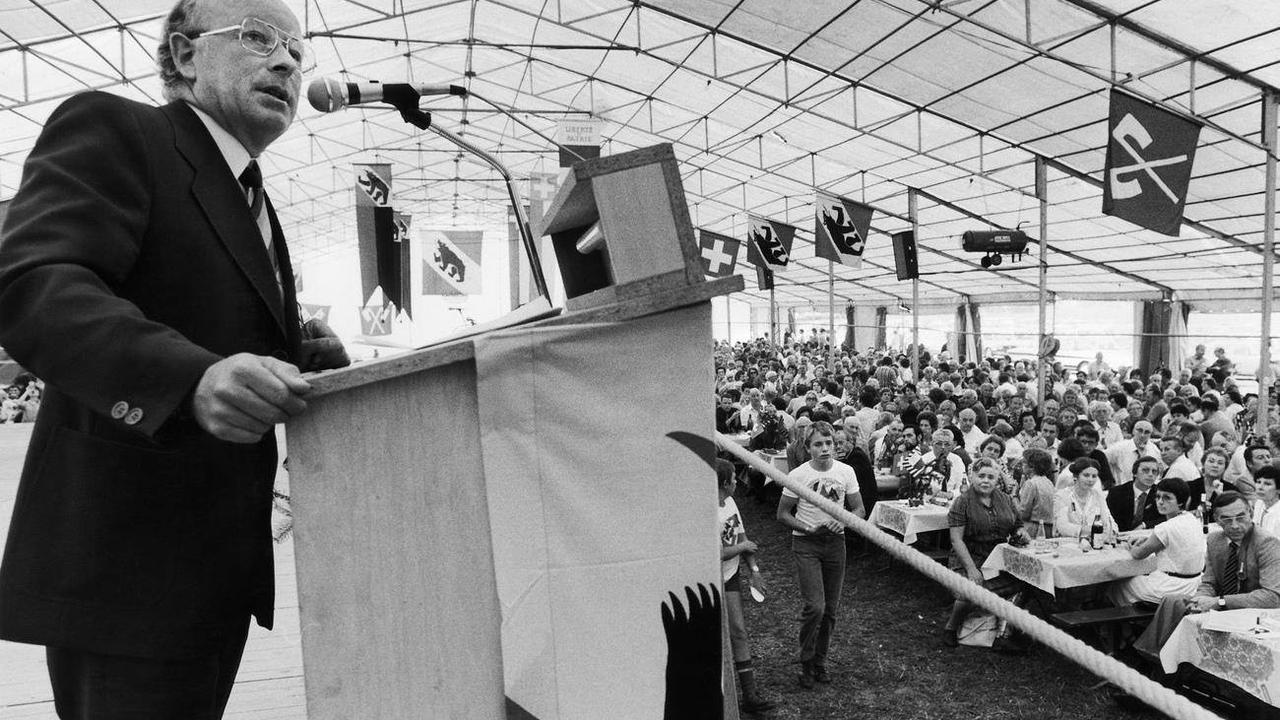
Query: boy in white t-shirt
(735, 547)
(817, 540)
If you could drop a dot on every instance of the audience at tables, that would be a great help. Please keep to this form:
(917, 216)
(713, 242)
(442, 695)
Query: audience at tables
(1131, 450)
(1242, 570)
(1177, 542)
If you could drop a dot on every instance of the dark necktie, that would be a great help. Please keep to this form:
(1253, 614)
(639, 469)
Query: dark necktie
(1231, 571)
(251, 180)
(256, 195)
(1139, 507)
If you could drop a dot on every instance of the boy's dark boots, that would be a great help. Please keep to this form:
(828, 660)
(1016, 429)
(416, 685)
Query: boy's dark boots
(751, 700)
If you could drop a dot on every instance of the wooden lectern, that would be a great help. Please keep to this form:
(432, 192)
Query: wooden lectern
(399, 607)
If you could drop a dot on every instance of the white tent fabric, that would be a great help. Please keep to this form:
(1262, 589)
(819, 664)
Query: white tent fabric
(764, 101)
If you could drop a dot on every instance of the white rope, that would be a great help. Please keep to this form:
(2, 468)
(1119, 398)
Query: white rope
(1100, 664)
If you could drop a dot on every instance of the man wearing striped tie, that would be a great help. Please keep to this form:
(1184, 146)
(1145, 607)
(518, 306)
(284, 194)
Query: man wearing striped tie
(1242, 570)
(145, 277)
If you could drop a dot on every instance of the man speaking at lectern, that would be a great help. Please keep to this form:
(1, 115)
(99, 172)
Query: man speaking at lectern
(144, 276)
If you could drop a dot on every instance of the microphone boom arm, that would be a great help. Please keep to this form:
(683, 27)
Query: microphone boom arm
(422, 120)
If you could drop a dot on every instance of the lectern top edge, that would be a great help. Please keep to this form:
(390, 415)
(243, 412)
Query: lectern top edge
(365, 373)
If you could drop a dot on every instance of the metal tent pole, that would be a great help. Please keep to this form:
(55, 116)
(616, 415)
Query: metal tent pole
(913, 210)
(1268, 259)
(1042, 193)
(831, 312)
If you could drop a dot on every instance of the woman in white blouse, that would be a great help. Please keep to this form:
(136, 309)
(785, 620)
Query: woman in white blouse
(1178, 544)
(1266, 509)
(1075, 506)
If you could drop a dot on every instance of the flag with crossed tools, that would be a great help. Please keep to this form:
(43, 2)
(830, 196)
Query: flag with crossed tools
(769, 242)
(451, 262)
(719, 253)
(308, 311)
(376, 320)
(764, 278)
(840, 229)
(1150, 152)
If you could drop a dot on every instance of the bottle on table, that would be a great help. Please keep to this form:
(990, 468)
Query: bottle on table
(1095, 533)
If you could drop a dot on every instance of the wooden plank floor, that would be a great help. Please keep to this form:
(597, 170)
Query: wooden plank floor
(269, 686)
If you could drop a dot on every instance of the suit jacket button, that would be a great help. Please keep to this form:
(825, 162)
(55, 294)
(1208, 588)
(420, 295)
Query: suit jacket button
(134, 417)
(119, 410)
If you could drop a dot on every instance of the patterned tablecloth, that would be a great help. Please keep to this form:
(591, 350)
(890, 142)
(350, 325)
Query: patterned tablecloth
(1235, 654)
(897, 516)
(1065, 565)
(777, 459)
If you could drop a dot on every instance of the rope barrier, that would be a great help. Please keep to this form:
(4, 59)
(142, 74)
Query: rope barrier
(1100, 664)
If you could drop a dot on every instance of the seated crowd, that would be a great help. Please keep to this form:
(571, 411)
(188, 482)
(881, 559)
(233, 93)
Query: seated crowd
(21, 400)
(1166, 452)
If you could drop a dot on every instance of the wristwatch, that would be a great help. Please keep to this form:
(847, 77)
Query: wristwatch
(1222, 603)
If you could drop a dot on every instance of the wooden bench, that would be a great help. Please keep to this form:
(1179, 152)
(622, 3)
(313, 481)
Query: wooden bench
(1107, 620)
(1077, 619)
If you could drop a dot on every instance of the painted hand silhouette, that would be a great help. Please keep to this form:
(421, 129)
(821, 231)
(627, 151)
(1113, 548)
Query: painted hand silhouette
(693, 656)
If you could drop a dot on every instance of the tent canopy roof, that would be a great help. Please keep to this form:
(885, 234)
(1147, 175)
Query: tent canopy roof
(763, 101)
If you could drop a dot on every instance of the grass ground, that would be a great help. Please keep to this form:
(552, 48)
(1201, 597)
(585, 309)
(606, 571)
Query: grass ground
(887, 659)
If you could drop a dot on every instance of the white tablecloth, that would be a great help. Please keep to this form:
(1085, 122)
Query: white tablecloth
(777, 459)
(1071, 568)
(908, 521)
(1250, 661)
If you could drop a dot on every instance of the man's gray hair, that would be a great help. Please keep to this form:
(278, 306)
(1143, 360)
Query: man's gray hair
(181, 19)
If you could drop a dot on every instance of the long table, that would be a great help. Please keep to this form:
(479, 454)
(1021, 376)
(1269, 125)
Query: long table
(1064, 565)
(902, 519)
(1231, 651)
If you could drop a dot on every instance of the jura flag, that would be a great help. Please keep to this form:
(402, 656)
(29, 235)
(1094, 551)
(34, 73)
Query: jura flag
(1149, 156)
(451, 262)
(840, 229)
(769, 242)
(719, 253)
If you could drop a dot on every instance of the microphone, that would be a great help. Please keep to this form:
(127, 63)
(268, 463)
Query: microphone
(330, 94)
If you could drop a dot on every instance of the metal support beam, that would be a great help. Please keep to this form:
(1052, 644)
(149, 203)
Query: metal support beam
(1268, 255)
(913, 211)
(1042, 192)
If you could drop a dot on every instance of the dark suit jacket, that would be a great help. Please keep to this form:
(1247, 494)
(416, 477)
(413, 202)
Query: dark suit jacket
(1260, 578)
(129, 263)
(1120, 500)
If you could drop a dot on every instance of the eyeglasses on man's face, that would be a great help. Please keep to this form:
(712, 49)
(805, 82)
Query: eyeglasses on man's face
(261, 38)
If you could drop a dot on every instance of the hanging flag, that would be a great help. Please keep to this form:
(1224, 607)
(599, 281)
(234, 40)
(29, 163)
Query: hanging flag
(451, 262)
(402, 246)
(297, 279)
(1149, 156)
(840, 229)
(307, 311)
(769, 242)
(380, 262)
(764, 278)
(719, 253)
(376, 319)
